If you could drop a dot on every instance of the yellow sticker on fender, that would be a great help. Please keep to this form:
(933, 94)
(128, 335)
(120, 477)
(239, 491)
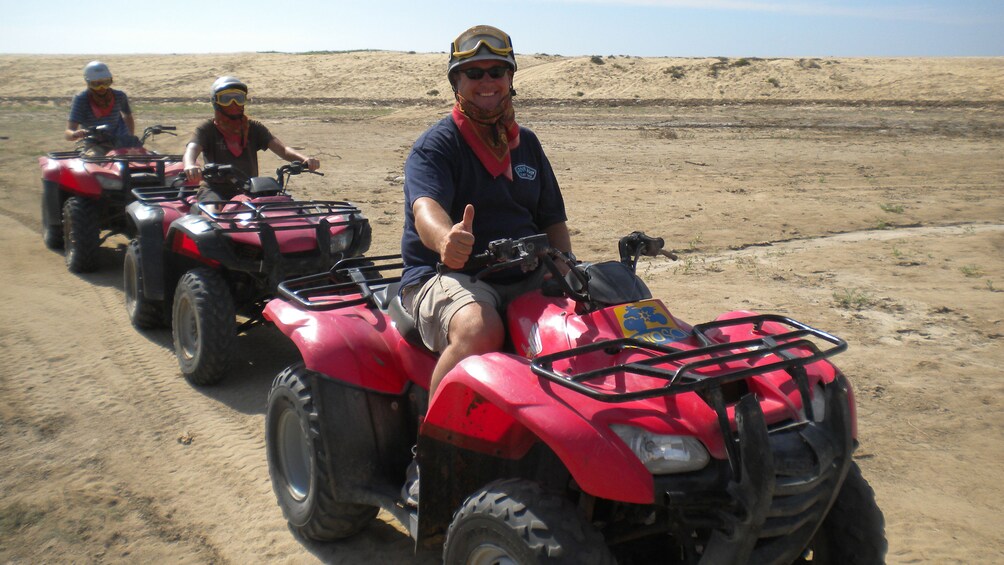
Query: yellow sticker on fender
(648, 320)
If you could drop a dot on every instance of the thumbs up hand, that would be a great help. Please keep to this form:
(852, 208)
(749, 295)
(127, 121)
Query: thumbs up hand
(456, 245)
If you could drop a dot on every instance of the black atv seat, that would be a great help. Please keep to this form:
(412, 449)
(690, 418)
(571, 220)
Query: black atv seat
(612, 283)
(389, 299)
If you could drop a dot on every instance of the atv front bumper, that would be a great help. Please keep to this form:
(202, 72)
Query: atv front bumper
(766, 506)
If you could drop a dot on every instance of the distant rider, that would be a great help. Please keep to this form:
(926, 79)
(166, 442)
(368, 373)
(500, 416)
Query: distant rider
(101, 105)
(231, 138)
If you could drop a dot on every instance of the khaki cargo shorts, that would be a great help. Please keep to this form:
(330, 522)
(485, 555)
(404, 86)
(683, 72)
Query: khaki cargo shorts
(436, 302)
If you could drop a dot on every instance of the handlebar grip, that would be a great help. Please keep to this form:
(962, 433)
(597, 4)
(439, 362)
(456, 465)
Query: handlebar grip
(168, 128)
(653, 245)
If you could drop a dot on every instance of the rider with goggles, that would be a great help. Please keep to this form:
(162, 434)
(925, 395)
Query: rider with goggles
(473, 177)
(101, 105)
(231, 138)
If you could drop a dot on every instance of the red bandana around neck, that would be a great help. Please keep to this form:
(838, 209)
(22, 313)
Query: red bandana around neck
(101, 104)
(491, 134)
(234, 132)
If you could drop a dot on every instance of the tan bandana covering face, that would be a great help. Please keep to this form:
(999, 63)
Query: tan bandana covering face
(492, 134)
(233, 130)
(102, 100)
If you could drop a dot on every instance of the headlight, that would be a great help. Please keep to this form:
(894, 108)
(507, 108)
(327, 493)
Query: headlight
(109, 183)
(340, 241)
(144, 213)
(662, 454)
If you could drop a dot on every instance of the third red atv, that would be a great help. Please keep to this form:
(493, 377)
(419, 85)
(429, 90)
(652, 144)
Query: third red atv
(609, 430)
(199, 266)
(85, 196)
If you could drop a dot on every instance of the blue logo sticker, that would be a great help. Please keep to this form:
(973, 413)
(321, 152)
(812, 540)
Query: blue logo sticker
(649, 321)
(525, 172)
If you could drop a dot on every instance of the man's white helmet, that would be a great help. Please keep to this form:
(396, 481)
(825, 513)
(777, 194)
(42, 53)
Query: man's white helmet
(96, 70)
(224, 83)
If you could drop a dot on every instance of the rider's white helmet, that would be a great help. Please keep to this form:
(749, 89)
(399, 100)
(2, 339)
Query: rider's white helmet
(225, 83)
(96, 70)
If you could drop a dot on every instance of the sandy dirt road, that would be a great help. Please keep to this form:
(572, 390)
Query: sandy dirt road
(879, 220)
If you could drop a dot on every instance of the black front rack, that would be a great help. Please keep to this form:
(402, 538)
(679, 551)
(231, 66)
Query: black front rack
(150, 158)
(266, 220)
(685, 378)
(684, 375)
(161, 194)
(349, 282)
(250, 216)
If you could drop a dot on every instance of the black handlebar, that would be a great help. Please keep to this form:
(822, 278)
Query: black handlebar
(528, 253)
(637, 244)
(293, 168)
(216, 172)
(96, 135)
(157, 130)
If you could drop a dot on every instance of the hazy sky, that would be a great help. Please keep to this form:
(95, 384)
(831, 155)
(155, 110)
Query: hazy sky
(766, 28)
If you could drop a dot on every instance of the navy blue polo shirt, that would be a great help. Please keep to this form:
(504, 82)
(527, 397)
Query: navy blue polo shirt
(82, 113)
(443, 167)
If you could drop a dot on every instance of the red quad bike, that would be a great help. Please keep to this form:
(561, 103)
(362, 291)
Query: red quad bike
(607, 431)
(198, 266)
(84, 196)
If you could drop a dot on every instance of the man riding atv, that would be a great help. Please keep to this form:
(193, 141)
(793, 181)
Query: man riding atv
(465, 162)
(101, 105)
(477, 158)
(231, 138)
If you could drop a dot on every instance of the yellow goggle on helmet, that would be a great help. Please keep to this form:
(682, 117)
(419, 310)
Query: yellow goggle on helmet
(480, 43)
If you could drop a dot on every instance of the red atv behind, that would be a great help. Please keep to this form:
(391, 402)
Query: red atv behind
(609, 430)
(84, 197)
(199, 266)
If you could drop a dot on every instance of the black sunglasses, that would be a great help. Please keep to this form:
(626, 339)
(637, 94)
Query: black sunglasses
(477, 73)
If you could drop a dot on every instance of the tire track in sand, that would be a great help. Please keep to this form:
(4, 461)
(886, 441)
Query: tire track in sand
(127, 384)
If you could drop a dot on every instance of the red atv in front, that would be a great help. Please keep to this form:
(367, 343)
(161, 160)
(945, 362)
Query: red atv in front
(607, 431)
(85, 196)
(198, 266)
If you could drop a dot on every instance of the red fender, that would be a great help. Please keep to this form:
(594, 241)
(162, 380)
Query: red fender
(355, 345)
(823, 370)
(50, 169)
(506, 409)
(71, 175)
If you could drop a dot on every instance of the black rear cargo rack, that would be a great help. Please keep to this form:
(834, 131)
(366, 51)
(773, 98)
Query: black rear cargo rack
(158, 194)
(336, 288)
(251, 217)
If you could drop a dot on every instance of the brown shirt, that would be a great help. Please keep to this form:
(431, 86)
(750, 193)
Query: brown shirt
(214, 148)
